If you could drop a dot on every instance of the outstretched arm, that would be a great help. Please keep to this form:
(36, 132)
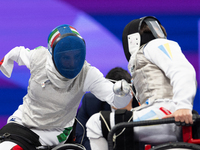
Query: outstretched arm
(103, 89)
(20, 55)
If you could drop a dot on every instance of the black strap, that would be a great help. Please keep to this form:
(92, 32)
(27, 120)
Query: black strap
(106, 116)
(72, 137)
(125, 140)
(20, 135)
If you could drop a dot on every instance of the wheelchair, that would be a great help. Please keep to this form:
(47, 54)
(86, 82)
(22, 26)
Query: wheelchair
(190, 134)
(69, 147)
(32, 143)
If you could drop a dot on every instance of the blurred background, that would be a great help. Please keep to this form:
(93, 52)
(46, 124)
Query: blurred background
(101, 23)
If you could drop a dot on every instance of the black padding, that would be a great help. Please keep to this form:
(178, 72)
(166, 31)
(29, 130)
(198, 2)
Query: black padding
(125, 140)
(196, 127)
(20, 135)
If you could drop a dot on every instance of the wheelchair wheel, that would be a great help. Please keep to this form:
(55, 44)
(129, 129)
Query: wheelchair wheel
(69, 147)
(175, 145)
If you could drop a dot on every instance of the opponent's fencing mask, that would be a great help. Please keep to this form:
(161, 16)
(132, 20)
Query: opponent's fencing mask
(132, 38)
(68, 50)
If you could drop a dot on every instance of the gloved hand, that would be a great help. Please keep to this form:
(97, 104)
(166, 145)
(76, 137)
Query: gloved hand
(121, 88)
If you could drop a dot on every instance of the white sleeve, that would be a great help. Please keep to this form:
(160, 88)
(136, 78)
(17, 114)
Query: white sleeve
(20, 55)
(93, 126)
(102, 88)
(167, 55)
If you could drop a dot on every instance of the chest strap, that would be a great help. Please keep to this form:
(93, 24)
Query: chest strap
(124, 137)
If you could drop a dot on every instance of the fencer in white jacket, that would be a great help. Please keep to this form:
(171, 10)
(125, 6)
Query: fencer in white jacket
(164, 80)
(59, 77)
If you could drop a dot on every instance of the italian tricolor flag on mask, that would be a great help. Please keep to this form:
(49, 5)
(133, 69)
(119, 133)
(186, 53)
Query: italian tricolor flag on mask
(74, 30)
(54, 35)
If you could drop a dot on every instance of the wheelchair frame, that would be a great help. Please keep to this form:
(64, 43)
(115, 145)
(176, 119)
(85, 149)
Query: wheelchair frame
(188, 140)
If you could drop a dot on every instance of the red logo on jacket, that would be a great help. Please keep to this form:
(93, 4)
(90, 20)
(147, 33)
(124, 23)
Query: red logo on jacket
(165, 111)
